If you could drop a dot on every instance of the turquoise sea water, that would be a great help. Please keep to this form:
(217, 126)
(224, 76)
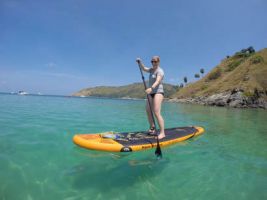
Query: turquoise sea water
(39, 161)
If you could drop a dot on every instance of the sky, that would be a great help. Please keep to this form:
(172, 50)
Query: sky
(60, 47)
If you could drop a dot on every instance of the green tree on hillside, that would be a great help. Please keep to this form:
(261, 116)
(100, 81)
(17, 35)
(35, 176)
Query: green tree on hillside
(245, 52)
(185, 80)
(251, 49)
(202, 71)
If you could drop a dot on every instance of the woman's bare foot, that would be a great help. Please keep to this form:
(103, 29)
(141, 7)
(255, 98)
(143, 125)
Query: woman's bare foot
(161, 136)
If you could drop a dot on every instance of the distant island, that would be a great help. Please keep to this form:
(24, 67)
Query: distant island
(131, 91)
(238, 81)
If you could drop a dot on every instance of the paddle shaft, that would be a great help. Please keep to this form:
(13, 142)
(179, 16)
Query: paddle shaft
(149, 103)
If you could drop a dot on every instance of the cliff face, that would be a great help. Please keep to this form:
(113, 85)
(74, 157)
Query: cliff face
(238, 81)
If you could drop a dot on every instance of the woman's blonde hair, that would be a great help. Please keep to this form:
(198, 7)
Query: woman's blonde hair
(157, 58)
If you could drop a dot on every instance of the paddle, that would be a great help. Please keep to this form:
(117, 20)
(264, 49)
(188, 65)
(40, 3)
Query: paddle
(158, 150)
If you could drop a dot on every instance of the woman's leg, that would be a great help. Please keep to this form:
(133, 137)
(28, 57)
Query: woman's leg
(158, 99)
(150, 120)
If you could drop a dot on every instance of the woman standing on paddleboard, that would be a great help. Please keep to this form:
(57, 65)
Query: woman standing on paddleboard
(156, 93)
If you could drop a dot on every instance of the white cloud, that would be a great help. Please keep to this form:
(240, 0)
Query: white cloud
(51, 65)
(174, 80)
(3, 82)
(63, 75)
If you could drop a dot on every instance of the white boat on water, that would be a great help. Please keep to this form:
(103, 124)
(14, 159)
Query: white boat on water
(22, 93)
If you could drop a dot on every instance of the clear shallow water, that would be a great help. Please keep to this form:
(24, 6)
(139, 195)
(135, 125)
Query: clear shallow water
(39, 161)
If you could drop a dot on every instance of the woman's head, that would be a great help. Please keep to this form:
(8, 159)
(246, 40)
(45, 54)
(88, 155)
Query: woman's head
(155, 60)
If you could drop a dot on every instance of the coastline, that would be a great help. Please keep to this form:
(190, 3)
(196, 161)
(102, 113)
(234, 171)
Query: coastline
(234, 99)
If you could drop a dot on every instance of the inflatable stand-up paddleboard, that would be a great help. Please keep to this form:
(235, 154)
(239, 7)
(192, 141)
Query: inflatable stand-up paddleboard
(134, 141)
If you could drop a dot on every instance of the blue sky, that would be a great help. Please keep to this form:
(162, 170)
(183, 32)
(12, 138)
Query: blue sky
(59, 47)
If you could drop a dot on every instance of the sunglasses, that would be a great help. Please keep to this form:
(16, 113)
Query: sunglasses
(154, 61)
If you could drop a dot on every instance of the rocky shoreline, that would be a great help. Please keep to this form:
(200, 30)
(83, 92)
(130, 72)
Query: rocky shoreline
(235, 99)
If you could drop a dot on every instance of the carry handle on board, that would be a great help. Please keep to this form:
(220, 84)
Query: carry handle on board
(158, 152)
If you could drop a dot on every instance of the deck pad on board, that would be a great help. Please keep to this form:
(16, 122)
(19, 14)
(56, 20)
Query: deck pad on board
(138, 138)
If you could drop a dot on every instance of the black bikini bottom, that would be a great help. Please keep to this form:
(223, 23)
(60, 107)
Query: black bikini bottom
(153, 95)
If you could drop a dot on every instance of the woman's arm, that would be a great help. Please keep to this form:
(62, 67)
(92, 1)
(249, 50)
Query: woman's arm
(143, 67)
(157, 82)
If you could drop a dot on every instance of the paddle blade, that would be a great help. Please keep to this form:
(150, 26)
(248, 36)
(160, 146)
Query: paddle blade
(158, 150)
